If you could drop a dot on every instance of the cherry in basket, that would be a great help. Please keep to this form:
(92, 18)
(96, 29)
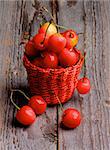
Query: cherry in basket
(71, 38)
(30, 49)
(68, 58)
(56, 43)
(48, 27)
(38, 62)
(50, 60)
(40, 41)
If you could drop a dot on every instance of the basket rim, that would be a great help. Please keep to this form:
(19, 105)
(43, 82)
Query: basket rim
(28, 64)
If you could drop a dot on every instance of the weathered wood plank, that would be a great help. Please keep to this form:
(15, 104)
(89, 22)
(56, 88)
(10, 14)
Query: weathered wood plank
(91, 18)
(17, 17)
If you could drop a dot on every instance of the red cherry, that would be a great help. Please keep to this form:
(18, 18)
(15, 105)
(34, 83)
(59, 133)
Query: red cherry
(77, 52)
(56, 43)
(38, 104)
(71, 38)
(50, 60)
(30, 49)
(71, 118)
(26, 115)
(41, 41)
(83, 85)
(67, 58)
(37, 62)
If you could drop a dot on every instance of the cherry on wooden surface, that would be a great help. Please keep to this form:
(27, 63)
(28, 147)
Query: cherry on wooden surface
(26, 115)
(71, 118)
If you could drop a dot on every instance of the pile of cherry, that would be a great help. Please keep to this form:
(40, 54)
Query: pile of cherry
(51, 49)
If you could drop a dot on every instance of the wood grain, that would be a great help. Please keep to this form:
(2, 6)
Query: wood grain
(16, 18)
(91, 20)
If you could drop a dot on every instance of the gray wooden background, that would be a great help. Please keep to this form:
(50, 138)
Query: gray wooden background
(91, 19)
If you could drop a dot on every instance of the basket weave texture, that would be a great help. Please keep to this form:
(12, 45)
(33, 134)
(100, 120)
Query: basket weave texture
(52, 84)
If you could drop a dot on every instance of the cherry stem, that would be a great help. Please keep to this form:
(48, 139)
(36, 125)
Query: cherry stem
(46, 33)
(11, 97)
(54, 20)
(84, 64)
(61, 26)
(49, 13)
(59, 103)
(17, 90)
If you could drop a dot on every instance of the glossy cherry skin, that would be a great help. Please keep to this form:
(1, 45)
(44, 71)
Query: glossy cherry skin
(37, 62)
(67, 58)
(77, 52)
(83, 85)
(56, 43)
(51, 29)
(71, 118)
(26, 115)
(30, 49)
(38, 104)
(50, 60)
(71, 38)
(39, 42)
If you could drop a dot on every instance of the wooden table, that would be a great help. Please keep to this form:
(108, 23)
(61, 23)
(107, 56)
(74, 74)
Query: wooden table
(91, 20)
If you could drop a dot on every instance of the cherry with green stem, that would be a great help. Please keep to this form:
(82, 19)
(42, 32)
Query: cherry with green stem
(25, 115)
(11, 98)
(83, 85)
(37, 103)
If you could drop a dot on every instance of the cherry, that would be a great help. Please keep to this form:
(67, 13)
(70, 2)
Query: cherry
(26, 115)
(71, 118)
(50, 60)
(30, 49)
(38, 104)
(37, 62)
(50, 30)
(77, 52)
(41, 41)
(83, 85)
(67, 58)
(56, 43)
(71, 38)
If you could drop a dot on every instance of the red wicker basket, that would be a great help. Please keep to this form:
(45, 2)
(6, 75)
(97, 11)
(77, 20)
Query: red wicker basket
(50, 83)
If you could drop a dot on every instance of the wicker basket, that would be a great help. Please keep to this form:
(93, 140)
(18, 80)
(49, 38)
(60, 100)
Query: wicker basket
(50, 83)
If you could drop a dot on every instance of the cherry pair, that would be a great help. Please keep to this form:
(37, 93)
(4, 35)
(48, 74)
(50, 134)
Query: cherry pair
(71, 117)
(26, 115)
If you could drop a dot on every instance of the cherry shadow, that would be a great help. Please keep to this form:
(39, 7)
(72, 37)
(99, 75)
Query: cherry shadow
(65, 128)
